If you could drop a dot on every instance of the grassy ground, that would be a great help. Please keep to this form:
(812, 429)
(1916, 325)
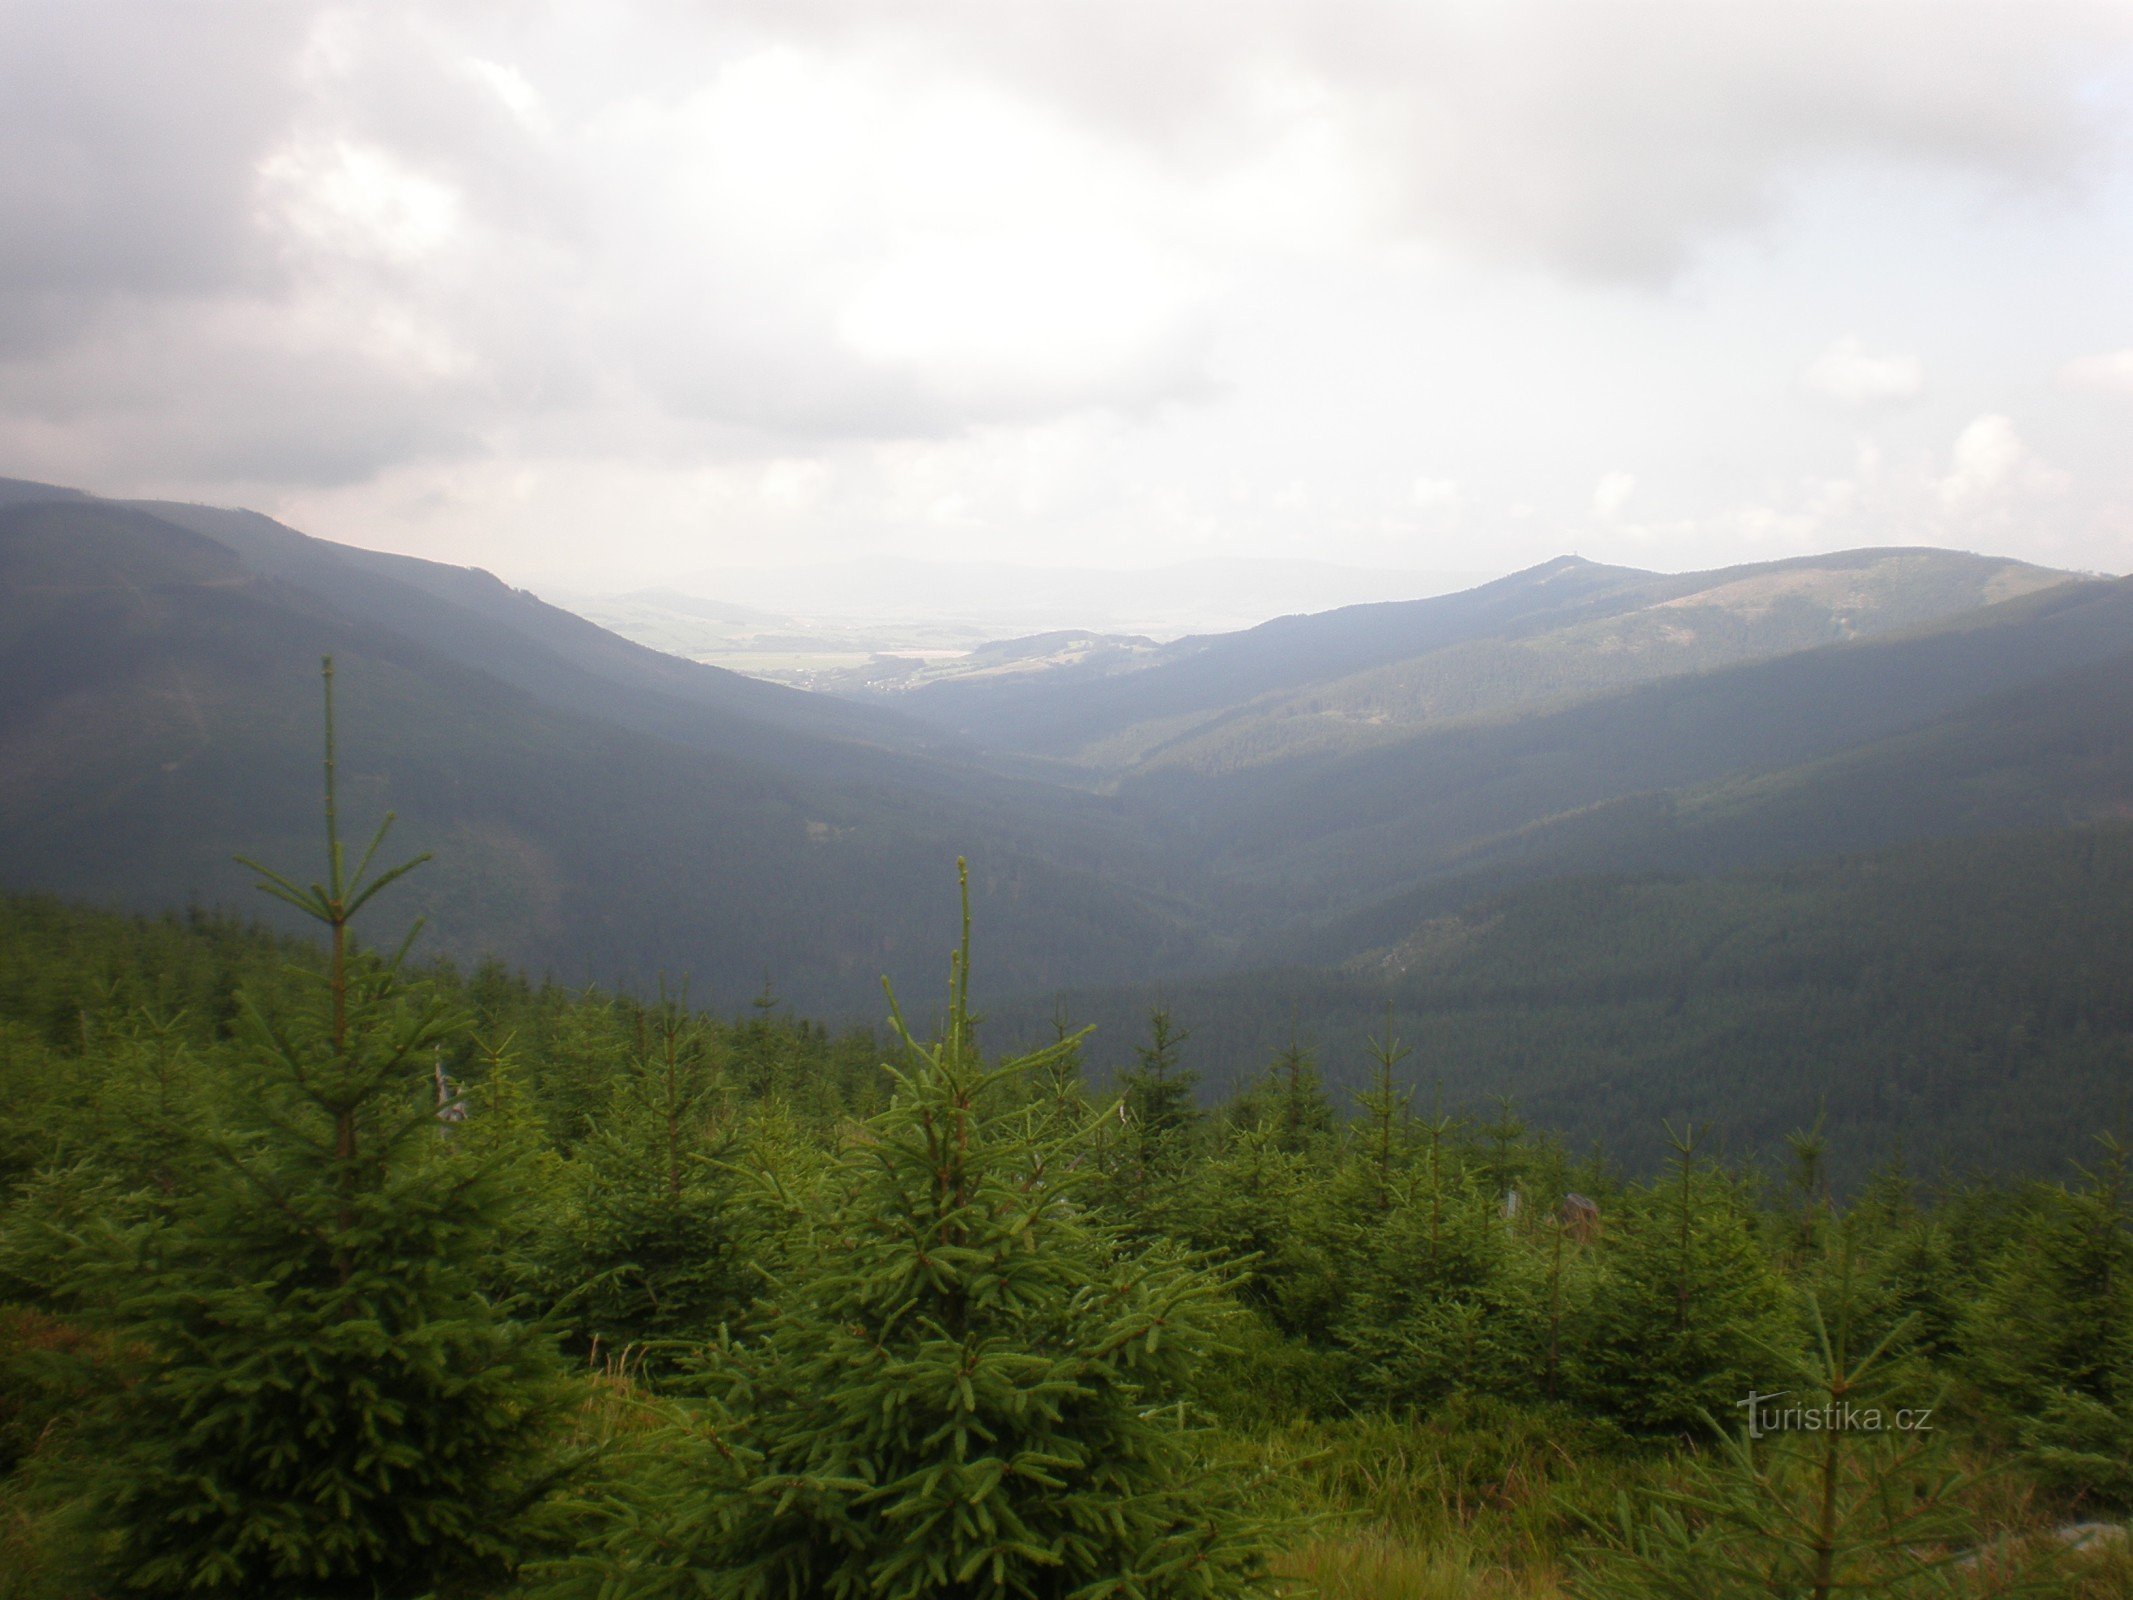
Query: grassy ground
(1484, 1503)
(1477, 1503)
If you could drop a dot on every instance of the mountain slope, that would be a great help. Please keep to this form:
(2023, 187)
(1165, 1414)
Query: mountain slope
(2051, 753)
(609, 811)
(158, 711)
(1065, 710)
(556, 655)
(1326, 830)
(1969, 1001)
(1367, 676)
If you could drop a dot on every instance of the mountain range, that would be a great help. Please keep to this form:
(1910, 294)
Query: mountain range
(1313, 801)
(598, 810)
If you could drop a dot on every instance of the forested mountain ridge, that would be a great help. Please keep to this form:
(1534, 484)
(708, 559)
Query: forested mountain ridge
(1575, 788)
(2054, 753)
(476, 619)
(1364, 676)
(158, 712)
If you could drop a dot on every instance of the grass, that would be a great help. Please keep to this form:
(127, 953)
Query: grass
(1485, 1501)
(1380, 1566)
(1476, 1501)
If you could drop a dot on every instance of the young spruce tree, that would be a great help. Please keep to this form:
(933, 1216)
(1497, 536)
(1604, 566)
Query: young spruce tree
(1688, 1309)
(323, 1402)
(2051, 1337)
(655, 1226)
(974, 1391)
(1835, 1487)
(1160, 1120)
(1386, 1112)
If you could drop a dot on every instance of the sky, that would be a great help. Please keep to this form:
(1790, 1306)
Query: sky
(606, 293)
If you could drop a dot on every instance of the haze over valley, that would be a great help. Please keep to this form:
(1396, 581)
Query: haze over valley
(1337, 793)
(881, 621)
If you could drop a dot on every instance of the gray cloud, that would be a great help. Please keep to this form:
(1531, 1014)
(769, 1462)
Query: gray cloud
(1601, 140)
(172, 394)
(279, 242)
(1612, 141)
(128, 135)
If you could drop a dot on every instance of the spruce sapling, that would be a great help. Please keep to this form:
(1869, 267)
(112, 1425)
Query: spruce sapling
(1836, 1487)
(970, 1390)
(323, 1402)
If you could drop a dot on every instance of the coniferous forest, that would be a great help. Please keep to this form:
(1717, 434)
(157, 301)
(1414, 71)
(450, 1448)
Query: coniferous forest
(329, 1268)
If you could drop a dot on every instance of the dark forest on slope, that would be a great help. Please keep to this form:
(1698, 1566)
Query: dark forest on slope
(1969, 1002)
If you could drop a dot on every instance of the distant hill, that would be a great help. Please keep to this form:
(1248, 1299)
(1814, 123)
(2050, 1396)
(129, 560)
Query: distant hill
(1584, 786)
(598, 810)
(800, 652)
(999, 598)
(1969, 1004)
(1367, 676)
(689, 605)
(2052, 752)
(1078, 650)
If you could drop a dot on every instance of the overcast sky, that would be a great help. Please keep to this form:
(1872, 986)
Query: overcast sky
(601, 292)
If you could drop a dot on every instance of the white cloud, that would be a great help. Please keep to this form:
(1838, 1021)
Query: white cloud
(1612, 493)
(509, 85)
(1614, 142)
(1048, 315)
(1436, 494)
(1991, 491)
(1991, 465)
(2112, 373)
(358, 200)
(1847, 374)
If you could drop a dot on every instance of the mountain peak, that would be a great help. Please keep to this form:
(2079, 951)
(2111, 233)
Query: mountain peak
(1563, 566)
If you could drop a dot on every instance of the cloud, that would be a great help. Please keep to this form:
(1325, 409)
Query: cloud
(1991, 466)
(1612, 493)
(309, 245)
(1613, 142)
(1604, 142)
(367, 208)
(319, 391)
(357, 201)
(1846, 374)
(128, 135)
(2110, 374)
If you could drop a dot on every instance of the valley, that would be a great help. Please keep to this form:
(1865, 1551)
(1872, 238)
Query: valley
(1299, 809)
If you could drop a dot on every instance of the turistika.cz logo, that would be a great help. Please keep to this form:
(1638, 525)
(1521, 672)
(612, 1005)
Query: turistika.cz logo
(1766, 1416)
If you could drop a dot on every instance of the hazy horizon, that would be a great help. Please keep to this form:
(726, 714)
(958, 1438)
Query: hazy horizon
(1003, 599)
(904, 601)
